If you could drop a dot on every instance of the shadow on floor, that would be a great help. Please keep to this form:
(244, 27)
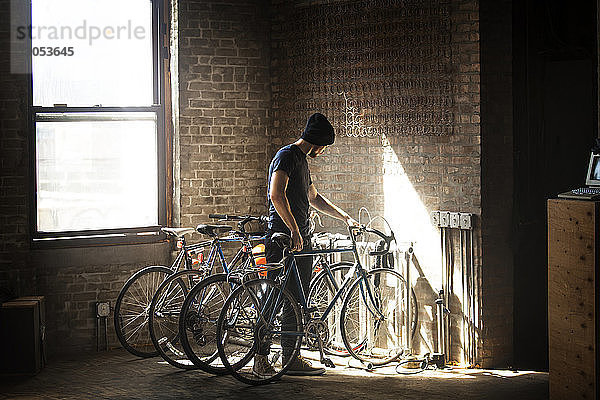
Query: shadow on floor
(118, 375)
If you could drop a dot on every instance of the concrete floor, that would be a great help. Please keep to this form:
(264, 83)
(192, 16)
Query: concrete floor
(118, 375)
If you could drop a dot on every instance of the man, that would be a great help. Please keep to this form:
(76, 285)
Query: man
(290, 194)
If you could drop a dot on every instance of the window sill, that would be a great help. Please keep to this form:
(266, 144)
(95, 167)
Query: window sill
(108, 239)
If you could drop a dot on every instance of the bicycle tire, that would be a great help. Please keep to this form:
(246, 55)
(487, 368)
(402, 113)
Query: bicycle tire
(164, 313)
(198, 342)
(387, 261)
(369, 336)
(321, 292)
(131, 310)
(239, 333)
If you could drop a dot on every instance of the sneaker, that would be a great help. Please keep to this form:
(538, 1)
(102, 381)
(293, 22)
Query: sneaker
(301, 367)
(261, 368)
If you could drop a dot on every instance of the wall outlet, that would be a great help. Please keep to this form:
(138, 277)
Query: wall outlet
(444, 219)
(454, 221)
(102, 309)
(466, 221)
(435, 218)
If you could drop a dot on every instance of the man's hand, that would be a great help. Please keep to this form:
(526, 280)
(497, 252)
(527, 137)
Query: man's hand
(297, 243)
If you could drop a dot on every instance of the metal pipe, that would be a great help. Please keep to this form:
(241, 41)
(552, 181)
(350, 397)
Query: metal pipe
(440, 323)
(444, 272)
(439, 358)
(449, 291)
(468, 306)
(407, 257)
(474, 308)
(464, 306)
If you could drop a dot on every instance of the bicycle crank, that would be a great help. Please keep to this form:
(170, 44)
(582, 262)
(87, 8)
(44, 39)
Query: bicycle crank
(315, 330)
(324, 360)
(195, 324)
(316, 334)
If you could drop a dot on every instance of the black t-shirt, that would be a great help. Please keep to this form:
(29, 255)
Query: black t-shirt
(292, 161)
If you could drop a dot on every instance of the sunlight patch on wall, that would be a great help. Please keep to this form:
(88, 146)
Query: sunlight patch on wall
(409, 218)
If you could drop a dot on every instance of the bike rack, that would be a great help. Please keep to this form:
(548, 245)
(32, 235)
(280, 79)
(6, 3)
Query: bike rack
(402, 265)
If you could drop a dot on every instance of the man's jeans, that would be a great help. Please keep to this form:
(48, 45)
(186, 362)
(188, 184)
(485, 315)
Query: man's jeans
(304, 264)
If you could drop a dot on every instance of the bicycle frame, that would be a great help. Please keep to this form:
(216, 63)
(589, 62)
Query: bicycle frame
(246, 248)
(216, 251)
(357, 272)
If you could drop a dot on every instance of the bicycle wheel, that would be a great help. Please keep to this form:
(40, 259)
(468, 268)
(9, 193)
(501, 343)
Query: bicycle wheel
(259, 332)
(373, 317)
(164, 316)
(131, 310)
(198, 322)
(387, 262)
(321, 292)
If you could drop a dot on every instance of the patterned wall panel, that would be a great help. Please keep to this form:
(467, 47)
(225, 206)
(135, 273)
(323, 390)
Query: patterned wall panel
(373, 67)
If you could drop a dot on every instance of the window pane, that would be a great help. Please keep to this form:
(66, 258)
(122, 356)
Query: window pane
(96, 171)
(111, 42)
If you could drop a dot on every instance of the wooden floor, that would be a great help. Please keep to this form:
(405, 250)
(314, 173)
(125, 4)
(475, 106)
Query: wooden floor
(118, 375)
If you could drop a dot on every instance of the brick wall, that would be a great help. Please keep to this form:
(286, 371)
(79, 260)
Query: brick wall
(73, 280)
(14, 169)
(224, 93)
(401, 174)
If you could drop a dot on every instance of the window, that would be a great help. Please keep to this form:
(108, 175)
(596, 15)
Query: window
(98, 120)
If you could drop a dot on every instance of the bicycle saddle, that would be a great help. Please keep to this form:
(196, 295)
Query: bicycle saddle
(282, 240)
(212, 230)
(178, 232)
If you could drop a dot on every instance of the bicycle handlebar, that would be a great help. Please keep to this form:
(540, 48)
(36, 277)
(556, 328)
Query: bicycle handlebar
(357, 230)
(284, 240)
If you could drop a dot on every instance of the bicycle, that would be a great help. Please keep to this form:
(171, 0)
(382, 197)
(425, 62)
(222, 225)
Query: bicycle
(199, 311)
(167, 302)
(326, 282)
(131, 312)
(254, 320)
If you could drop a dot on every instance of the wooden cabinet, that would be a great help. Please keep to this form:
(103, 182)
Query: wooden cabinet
(573, 300)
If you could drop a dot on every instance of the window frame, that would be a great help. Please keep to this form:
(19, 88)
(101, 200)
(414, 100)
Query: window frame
(112, 236)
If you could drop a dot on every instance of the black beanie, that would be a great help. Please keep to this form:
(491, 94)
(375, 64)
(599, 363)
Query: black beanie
(318, 131)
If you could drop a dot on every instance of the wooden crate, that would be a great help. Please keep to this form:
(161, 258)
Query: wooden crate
(42, 304)
(573, 298)
(21, 337)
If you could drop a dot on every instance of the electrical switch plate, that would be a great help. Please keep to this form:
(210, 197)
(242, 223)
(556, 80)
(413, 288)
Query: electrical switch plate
(435, 218)
(444, 219)
(466, 221)
(454, 221)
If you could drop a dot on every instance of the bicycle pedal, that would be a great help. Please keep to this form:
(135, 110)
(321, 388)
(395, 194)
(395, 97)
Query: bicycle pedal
(328, 363)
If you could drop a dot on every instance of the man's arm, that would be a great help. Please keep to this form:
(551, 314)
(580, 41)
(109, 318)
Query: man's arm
(323, 204)
(277, 187)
